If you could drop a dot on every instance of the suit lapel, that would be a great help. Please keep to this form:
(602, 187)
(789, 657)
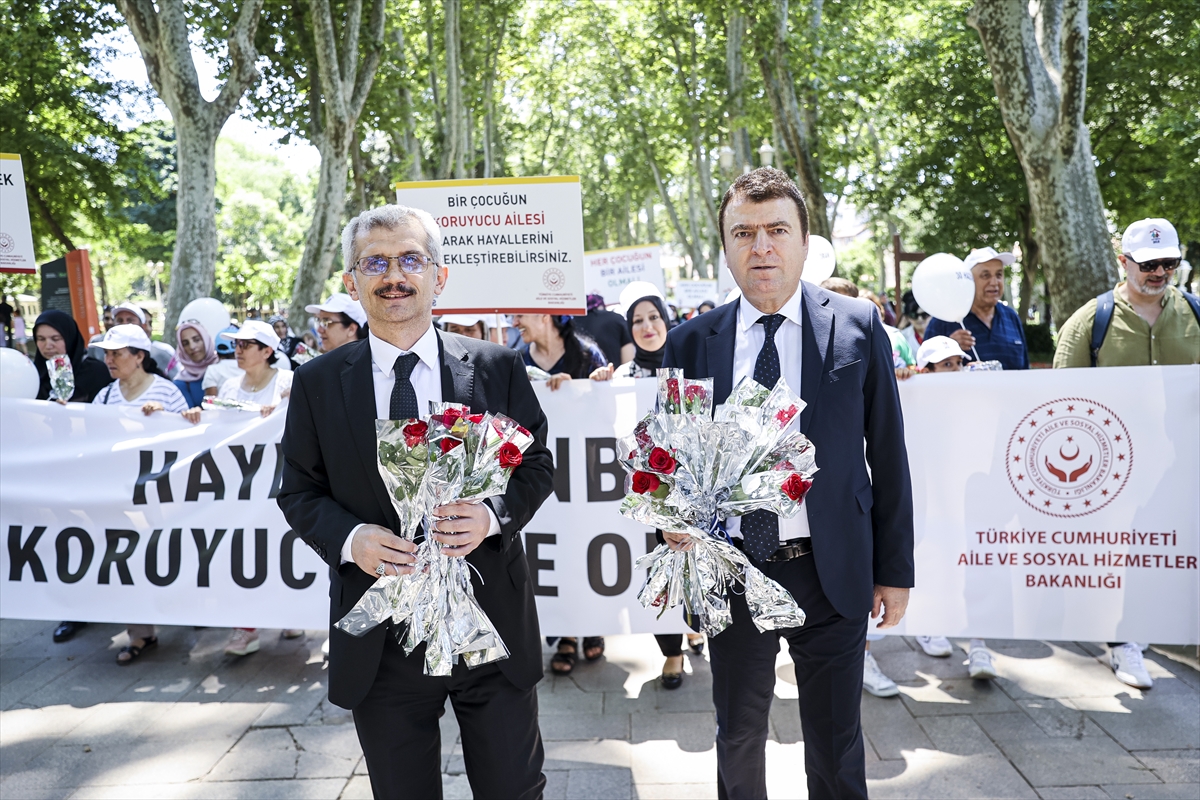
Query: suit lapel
(816, 333)
(458, 373)
(720, 346)
(358, 393)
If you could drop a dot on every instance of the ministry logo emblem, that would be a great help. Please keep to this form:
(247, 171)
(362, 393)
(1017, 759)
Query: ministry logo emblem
(1069, 457)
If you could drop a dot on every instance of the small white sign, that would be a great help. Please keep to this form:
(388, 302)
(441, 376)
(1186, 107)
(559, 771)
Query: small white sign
(512, 245)
(610, 271)
(16, 237)
(690, 294)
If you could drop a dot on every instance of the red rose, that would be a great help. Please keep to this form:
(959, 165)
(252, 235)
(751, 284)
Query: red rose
(673, 390)
(694, 392)
(414, 433)
(451, 416)
(475, 419)
(642, 434)
(645, 483)
(523, 431)
(660, 461)
(785, 415)
(796, 487)
(510, 455)
(449, 443)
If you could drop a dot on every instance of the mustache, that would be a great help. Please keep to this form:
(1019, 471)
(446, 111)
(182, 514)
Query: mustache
(401, 288)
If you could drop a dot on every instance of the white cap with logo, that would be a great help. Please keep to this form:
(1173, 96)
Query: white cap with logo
(256, 330)
(982, 254)
(1150, 239)
(341, 304)
(936, 349)
(119, 336)
(132, 309)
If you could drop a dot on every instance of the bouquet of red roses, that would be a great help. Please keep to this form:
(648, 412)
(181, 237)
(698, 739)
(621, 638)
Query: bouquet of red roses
(689, 470)
(62, 378)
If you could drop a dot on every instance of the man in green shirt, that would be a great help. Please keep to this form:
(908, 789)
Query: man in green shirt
(1152, 322)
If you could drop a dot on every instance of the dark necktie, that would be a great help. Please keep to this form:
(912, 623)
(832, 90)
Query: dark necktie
(404, 397)
(760, 529)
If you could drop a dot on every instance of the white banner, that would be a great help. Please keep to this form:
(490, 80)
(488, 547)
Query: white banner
(16, 237)
(690, 294)
(607, 272)
(512, 245)
(85, 499)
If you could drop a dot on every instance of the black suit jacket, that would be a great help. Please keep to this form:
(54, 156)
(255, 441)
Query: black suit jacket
(331, 484)
(862, 523)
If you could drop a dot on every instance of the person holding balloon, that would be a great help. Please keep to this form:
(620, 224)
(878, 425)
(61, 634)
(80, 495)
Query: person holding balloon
(987, 328)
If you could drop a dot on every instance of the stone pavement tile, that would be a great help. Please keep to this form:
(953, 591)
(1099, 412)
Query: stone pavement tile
(259, 755)
(1184, 672)
(964, 696)
(667, 762)
(959, 735)
(326, 751)
(1009, 725)
(361, 767)
(1059, 718)
(118, 722)
(17, 691)
(556, 784)
(88, 682)
(587, 755)
(1153, 723)
(599, 784)
(785, 721)
(1172, 766)
(243, 790)
(1063, 674)
(1075, 762)
(1160, 791)
(903, 665)
(584, 726)
(685, 698)
(216, 720)
(890, 728)
(693, 731)
(567, 698)
(931, 774)
(14, 667)
(456, 787)
(14, 632)
(675, 791)
(618, 703)
(358, 788)
(292, 706)
(599, 676)
(46, 724)
(175, 761)
(1072, 793)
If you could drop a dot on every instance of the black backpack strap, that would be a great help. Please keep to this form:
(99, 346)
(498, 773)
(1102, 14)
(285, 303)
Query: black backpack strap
(1193, 301)
(1104, 315)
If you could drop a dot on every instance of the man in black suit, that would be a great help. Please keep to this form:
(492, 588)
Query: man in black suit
(333, 497)
(849, 552)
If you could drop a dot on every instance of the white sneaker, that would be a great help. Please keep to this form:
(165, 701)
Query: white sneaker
(242, 643)
(936, 646)
(291, 633)
(1127, 663)
(875, 682)
(979, 664)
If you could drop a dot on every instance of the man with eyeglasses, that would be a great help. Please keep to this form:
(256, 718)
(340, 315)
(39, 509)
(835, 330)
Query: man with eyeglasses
(1144, 321)
(333, 497)
(340, 320)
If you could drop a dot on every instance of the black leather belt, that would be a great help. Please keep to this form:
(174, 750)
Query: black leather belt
(793, 549)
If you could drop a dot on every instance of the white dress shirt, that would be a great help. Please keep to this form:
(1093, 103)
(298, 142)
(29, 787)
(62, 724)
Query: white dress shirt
(426, 380)
(749, 339)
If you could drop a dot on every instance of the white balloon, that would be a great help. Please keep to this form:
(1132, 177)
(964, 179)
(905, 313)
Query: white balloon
(18, 375)
(943, 286)
(637, 290)
(821, 260)
(209, 312)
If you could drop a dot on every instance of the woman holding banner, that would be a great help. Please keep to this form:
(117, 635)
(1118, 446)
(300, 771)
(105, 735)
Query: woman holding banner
(138, 382)
(196, 353)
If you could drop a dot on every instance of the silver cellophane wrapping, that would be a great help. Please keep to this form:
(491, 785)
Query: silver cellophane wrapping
(717, 465)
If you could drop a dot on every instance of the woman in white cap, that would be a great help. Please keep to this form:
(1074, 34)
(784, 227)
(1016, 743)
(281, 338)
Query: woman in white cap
(138, 382)
(340, 320)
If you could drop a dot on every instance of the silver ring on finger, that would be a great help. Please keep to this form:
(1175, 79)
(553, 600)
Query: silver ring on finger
(381, 570)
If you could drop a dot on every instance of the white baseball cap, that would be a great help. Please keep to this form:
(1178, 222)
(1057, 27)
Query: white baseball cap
(256, 330)
(982, 254)
(132, 309)
(1149, 239)
(465, 320)
(341, 304)
(119, 336)
(936, 349)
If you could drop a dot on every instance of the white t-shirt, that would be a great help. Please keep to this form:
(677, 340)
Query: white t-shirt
(269, 395)
(161, 390)
(216, 374)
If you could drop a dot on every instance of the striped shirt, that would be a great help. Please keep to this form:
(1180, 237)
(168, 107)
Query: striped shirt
(160, 391)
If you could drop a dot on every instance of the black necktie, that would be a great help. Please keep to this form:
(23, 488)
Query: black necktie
(404, 397)
(760, 529)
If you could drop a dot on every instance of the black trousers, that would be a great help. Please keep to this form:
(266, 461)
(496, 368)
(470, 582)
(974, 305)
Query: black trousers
(828, 656)
(398, 729)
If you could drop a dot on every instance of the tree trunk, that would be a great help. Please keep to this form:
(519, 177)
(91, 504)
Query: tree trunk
(455, 127)
(1039, 69)
(322, 243)
(1030, 260)
(735, 74)
(194, 263)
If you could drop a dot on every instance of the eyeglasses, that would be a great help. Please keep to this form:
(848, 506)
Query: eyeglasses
(322, 324)
(241, 343)
(1167, 264)
(410, 263)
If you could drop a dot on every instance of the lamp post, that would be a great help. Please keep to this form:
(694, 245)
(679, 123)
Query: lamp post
(725, 158)
(766, 154)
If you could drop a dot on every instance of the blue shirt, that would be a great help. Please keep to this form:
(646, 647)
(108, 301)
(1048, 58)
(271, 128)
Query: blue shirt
(1003, 342)
(192, 392)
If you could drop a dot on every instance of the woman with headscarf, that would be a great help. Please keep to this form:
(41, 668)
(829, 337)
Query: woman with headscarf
(196, 353)
(56, 334)
(288, 340)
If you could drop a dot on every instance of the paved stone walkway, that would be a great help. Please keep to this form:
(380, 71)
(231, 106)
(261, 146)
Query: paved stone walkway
(187, 721)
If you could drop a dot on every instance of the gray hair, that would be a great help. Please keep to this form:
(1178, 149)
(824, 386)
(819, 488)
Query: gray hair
(390, 217)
